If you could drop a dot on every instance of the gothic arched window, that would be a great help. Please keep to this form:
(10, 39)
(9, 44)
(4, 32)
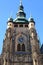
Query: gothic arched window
(18, 47)
(23, 47)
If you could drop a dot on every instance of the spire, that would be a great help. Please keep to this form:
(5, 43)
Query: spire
(20, 2)
(21, 16)
(21, 12)
(31, 15)
(10, 19)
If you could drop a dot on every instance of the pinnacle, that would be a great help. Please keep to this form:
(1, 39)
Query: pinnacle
(20, 2)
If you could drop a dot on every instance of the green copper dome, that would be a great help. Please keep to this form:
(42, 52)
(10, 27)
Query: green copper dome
(31, 20)
(21, 12)
(10, 19)
(21, 16)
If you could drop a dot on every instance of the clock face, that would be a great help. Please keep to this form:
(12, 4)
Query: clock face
(20, 39)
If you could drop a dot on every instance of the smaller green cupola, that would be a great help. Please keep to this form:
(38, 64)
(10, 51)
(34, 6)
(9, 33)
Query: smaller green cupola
(31, 20)
(10, 23)
(10, 19)
(31, 23)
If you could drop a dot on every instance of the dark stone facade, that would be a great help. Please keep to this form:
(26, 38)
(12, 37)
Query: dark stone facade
(21, 45)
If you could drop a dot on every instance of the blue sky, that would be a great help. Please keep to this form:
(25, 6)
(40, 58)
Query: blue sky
(10, 7)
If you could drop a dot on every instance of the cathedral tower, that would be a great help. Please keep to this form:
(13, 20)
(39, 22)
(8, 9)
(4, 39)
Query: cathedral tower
(21, 43)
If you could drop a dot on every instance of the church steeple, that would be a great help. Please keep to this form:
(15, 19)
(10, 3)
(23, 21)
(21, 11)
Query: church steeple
(21, 12)
(21, 15)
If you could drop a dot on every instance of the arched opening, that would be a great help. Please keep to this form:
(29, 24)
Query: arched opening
(36, 62)
(18, 47)
(23, 47)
